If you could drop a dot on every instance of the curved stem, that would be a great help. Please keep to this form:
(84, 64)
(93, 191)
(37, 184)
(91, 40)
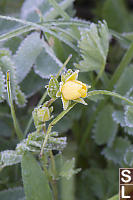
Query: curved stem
(123, 64)
(58, 118)
(114, 94)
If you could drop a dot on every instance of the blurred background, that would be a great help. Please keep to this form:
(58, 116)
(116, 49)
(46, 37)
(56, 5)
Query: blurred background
(98, 179)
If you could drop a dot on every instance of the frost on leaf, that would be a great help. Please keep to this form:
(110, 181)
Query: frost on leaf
(2, 85)
(26, 55)
(9, 157)
(35, 140)
(94, 44)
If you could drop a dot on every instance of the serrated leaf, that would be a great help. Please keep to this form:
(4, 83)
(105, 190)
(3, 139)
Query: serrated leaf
(129, 116)
(9, 157)
(26, 55)
(67, 169)
(53, 87)
(20, 98)
(125, 83)
(35, 140)
(105, 128)
(36, 185)
(32, 84)
(2, 85)
(119, 118)
(7, 64)
(93, 45)
(117, 151)
(128, 157)
(128, 130)
(12, 194)
(47, 63)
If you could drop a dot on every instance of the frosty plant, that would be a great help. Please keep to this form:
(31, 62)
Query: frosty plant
(64, 59)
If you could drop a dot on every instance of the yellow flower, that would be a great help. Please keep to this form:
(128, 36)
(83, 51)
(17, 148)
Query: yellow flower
(72, 89)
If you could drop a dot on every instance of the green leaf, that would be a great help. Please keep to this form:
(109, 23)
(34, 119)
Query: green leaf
(35, 140)
(118, 117)
(67, 121)
(102, 183)
(53, 13)
(35, 182)
(67, 169)
(32, 84)
(26, 55)
(93, 45)
(117, 151)
(128, 157)
(2, 85)
(47, 63)
(105, 128)
(28, 10)
(129, 116)
(12, 194)
(9, 157)
(128, 130)
(6, 64)
(124, 83)
(20, 98)
(53, 87)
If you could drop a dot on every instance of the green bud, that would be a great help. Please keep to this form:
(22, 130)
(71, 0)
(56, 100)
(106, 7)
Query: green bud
(53, 87)
(41, 115)
(65, 75)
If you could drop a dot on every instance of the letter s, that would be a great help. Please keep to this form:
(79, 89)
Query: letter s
(127, 177)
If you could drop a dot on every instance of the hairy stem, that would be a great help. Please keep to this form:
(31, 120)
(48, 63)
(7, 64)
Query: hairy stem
(15, 121)
(58, 118)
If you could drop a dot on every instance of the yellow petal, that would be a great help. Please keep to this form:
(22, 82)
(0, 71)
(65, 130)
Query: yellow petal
(74, 76)
(72, 90)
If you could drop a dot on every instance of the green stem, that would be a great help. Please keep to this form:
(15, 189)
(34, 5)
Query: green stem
(114, 94)
(45, 94)
(15, 121)
(123, 64)
(59, 9)
(58, 118)
(94, 115)
(55, 174)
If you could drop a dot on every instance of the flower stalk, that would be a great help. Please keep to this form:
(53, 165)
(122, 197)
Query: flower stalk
(15, 121)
